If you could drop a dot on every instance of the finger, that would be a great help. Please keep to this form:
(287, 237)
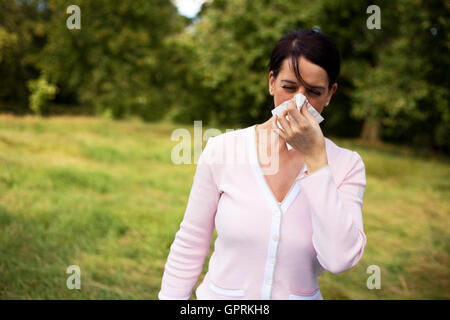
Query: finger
(285, 123)
(307, 114)
(304, 111)
(276, 128)
(296, 117)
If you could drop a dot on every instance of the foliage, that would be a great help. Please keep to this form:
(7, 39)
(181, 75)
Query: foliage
(117, 61)
(396, 75)
(142, 58)
(406, 84)
(22, 36)
(232, 42)
(41, 93)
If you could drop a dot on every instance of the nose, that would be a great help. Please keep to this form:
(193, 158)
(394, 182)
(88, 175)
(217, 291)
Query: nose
(302, 90)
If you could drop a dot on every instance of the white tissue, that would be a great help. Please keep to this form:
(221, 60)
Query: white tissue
(299, 101)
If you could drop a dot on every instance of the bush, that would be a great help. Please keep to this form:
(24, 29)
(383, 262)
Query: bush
(41, 93)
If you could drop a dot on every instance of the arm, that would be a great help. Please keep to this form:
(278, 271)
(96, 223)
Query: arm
(337, 224)
(192, 241)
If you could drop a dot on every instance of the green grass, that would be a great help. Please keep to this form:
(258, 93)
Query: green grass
(104, 195)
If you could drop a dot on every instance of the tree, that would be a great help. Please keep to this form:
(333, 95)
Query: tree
(232, 42)
(117, 62)
(393, 80)
(22, 36)
(398, 73)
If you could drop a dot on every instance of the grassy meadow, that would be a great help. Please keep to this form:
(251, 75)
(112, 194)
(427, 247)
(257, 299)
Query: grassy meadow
(104, 195)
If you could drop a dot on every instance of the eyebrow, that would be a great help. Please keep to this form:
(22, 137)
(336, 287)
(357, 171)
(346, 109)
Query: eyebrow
(311, 86)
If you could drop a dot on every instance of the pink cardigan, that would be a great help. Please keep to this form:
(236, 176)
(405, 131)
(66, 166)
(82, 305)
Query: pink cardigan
(265, 249)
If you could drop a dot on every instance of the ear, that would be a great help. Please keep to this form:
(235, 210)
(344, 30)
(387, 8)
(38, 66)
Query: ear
(271, 83)
(332, 91)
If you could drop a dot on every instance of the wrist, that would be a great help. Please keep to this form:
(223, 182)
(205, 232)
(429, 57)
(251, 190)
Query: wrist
(316, 162)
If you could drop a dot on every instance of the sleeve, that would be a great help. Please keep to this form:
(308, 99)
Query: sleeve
(192, 241)
(337, 224)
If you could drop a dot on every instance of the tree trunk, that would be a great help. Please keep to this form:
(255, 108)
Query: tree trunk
(371, 130)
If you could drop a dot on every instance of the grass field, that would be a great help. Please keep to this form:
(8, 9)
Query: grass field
(104, 195)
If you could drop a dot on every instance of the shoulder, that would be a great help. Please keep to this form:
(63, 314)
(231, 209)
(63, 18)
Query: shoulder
(343, 161)
(338, 153)
(232, 138)
(226, 145)
(225, 152)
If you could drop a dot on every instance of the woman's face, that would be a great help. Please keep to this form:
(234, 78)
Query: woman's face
(285, 86)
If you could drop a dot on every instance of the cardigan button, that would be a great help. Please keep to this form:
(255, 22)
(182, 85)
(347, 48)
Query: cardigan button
(275, 237)
(269, 282)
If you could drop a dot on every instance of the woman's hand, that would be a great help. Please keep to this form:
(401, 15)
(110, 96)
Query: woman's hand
(303, 133)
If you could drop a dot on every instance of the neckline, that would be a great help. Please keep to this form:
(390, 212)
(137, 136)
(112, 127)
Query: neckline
(257, 170)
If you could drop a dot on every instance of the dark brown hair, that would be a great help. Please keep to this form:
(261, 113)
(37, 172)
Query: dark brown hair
(315, 46)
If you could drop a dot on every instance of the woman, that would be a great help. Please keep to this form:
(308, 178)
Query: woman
(280, 227)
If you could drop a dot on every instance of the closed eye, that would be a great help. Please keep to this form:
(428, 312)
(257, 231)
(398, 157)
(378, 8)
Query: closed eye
(294, 88)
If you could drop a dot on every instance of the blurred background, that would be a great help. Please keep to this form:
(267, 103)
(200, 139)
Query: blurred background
(86, 117)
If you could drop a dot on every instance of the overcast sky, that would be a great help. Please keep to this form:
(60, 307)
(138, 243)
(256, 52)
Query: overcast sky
(189, 8)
